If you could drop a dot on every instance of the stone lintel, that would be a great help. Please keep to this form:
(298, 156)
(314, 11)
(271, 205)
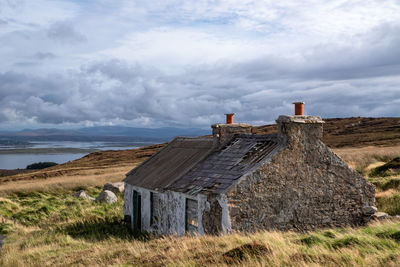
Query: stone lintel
(299, 119)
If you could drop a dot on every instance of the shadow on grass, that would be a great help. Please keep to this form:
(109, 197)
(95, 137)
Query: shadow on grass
(98, 229)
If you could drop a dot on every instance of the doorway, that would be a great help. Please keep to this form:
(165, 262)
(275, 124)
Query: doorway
(137, 211)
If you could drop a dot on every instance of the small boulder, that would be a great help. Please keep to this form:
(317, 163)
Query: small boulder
(381, 216)
(107, 196)
(82, 194)
(369, 210)
(115, 187)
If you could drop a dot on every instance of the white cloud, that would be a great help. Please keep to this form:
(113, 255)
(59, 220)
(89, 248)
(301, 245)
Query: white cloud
(188, 62)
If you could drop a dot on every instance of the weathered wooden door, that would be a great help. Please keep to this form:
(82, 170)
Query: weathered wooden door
(191, 223)
(137, 214)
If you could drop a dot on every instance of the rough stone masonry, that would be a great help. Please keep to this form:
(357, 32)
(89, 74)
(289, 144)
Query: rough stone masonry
(304, 186)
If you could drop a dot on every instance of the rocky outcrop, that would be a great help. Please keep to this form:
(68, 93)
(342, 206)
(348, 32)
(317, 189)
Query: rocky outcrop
(82, 194)
(117, 188)
(107, 196)
(369, 210)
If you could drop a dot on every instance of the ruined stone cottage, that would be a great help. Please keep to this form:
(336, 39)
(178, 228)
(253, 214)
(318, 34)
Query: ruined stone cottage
(236, 180)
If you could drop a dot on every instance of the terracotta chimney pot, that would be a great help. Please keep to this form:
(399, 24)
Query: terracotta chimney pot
(229, 118)
(298, 108)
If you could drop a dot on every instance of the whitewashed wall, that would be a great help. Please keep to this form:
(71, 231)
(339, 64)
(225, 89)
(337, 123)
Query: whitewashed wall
(171, 212)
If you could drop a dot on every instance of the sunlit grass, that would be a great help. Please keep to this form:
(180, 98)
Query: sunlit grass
(46, 226)
(72, 181)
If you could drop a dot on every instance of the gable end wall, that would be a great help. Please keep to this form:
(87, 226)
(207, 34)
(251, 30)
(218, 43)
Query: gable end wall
(305, 186)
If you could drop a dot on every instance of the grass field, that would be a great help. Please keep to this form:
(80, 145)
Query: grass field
(46, 226)
(55, 229)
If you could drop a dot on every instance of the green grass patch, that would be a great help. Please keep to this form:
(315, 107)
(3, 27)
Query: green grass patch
(347, 241)
(386, 183)
(389, 204)
(329, 234)
(393, 234)
(5, 228)
(238, 254)
(8, 207)
(97, 229)
(55, 208)
(310, 240)
(390, 168)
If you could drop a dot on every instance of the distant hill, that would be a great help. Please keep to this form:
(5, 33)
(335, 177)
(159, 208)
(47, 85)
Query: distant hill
(356, 131)
(102, 133)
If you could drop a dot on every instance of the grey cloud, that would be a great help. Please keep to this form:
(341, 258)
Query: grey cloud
(43, 55)
(375, 55)
(25, 64)
(116, 90)
(333, 81)
(63, 32)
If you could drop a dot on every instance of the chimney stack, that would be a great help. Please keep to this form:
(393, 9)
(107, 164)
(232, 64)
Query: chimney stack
(298, 108)
(300, 129)
(229, 118)
(224, 132)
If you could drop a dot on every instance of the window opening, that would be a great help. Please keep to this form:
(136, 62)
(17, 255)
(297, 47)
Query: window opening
(191, 224)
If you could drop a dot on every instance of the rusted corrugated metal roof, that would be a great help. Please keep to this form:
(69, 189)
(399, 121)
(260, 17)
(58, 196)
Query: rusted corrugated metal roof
(222, 168)
(170, 163)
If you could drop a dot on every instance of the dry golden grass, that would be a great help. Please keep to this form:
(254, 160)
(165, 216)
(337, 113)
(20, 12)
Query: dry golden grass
(365, 156)
(46, 245)
(72, 180)
(374, 245)
(387, 193)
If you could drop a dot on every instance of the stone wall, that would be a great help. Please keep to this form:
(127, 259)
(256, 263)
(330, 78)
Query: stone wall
(212, 217)
(305, 186)
(216, 218)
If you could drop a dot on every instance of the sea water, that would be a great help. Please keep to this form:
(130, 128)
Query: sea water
(18, 157)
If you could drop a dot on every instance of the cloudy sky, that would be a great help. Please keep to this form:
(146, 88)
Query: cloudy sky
(186, 63)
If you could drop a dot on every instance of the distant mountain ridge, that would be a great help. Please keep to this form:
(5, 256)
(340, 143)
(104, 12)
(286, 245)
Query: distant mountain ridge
(103, 133)
(338, 132)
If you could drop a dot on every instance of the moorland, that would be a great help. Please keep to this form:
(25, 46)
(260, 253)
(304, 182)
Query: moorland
(46, 226)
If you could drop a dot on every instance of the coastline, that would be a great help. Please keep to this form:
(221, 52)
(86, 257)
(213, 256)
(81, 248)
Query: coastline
(48, 150)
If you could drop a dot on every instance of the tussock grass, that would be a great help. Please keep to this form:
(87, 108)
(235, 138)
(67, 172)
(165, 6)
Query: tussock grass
(376, 244)
(388, 169)
(54, 229)
(389, 204)
(5, 228)
(46, 226)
